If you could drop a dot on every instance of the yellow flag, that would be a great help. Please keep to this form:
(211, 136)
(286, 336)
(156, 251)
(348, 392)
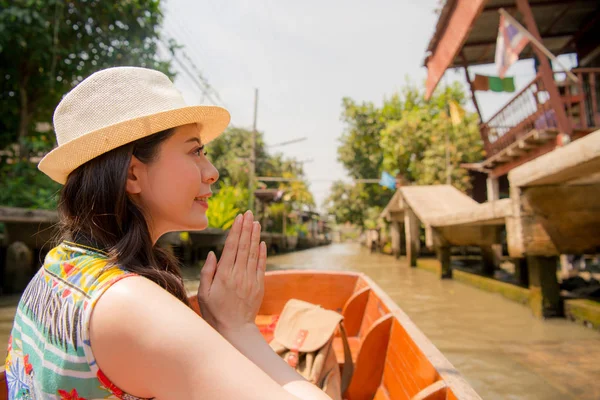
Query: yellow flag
(456, 113)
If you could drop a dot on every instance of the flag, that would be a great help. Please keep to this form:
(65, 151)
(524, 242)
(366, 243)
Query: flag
(509, 43)
(387, 180)
(493, 83)
(456, 113)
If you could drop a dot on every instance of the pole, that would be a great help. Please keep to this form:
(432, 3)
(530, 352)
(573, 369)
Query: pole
(465, 67)
(537, 43)
(448, 177)
(252, 170)
(447, 140)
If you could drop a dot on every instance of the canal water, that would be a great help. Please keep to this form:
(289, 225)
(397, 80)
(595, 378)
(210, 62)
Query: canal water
(502, 351)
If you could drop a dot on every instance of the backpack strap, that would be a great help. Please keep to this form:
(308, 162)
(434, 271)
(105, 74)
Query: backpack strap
(348, 369)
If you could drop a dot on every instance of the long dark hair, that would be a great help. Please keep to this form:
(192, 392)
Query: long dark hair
(95, 209)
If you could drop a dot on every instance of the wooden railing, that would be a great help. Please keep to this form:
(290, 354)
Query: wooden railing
(582, 99)
(530, 109)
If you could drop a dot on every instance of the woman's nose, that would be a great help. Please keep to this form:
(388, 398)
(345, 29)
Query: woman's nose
(209, 173)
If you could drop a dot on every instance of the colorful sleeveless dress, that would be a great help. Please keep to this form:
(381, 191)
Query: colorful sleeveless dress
(49, 351)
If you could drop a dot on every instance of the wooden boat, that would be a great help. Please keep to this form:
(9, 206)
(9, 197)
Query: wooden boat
(393, 359)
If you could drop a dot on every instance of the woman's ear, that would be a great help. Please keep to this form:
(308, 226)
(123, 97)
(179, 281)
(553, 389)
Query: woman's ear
(134, 172)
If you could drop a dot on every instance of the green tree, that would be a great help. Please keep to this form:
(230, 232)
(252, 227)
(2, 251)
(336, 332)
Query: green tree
(415, 143)
(296, 192)
(361, 154)
(47, 47)
(230, 153)
(407, 135)
(225, 205)
(347, 202)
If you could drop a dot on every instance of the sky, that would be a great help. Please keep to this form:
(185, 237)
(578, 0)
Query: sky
(304, 57)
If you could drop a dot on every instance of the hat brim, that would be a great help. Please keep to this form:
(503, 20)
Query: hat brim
(64, 159)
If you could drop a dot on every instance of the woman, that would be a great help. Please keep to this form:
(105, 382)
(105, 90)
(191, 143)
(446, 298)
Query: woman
(107, 314)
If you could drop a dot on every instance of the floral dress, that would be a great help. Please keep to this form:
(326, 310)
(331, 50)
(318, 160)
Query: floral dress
(49, 350)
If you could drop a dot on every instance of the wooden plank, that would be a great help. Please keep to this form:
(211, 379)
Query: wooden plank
(454, 35)
(354, 311)
(470, 235)
(330, 290)
(569, 214)
(575, 160)
(26, 215)
(370, 361)
(524, 145)
(539, 150)
(374, 310)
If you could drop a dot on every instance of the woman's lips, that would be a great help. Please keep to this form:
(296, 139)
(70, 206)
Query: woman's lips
(202, 202)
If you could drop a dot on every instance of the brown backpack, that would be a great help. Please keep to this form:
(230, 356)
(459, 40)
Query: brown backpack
(304, 338)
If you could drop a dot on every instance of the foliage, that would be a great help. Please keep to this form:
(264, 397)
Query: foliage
(415, 144)
(300, 229)
(406, 134)
(24, 186)
(223, 207)
(295, 229)
(347, 202)
(47, 47)
(371, 217)
(276, 213)
(296, 192)
(361, 154)
(230, 153)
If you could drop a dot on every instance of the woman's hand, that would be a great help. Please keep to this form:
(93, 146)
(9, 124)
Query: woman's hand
(231, 291)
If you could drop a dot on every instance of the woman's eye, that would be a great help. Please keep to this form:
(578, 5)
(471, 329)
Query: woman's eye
(200, 150)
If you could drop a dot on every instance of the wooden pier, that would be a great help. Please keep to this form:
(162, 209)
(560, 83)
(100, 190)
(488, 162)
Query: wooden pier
(553, 209)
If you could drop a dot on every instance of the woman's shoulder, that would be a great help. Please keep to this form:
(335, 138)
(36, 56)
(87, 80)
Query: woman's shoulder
(87, 269)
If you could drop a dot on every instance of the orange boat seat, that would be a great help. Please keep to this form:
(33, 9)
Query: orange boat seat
(360, 313)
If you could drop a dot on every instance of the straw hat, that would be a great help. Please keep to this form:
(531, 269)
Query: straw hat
(117, 106)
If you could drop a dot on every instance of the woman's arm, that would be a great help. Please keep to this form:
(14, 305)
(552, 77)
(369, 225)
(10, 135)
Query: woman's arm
(151, 345)
(230, 294)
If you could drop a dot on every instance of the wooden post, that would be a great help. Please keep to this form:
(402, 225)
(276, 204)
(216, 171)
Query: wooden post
(489, 260)
(395, 233)
(19, 267)
(443, 253)
(521, 271)
(411, 229)
(402, 239)
(471, 86)
(493, 188)
(544, 292)
(547, 75)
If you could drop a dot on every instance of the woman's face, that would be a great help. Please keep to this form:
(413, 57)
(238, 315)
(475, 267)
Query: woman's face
(173, 189)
